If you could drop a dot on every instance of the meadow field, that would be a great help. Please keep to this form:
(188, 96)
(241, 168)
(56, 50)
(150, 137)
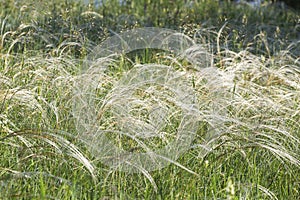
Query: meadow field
(240, 104)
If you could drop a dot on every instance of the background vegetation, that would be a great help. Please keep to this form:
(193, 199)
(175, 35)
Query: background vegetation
(255, 154)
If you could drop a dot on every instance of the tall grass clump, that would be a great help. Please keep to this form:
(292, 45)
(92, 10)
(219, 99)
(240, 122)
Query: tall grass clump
(34, 95)
(241, 108)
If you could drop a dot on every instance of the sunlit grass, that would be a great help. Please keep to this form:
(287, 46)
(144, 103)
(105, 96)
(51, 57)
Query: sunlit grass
(247, 142)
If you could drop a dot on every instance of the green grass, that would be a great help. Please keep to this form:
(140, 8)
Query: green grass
(247, 145)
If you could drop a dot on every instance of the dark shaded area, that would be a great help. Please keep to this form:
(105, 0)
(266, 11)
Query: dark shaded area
(292, 3)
